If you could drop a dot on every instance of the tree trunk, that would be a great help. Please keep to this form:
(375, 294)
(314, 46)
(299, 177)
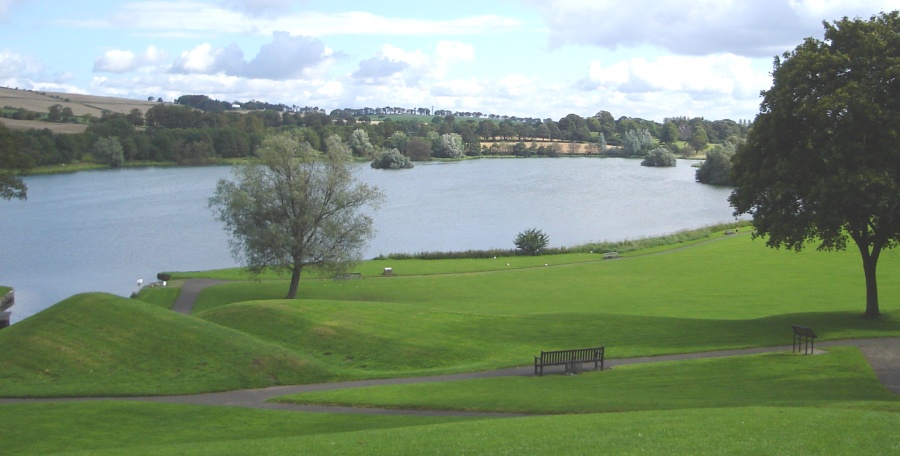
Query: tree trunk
(870, 262)
(295, 282)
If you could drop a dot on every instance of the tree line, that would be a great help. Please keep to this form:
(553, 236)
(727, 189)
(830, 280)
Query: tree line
(202, 131)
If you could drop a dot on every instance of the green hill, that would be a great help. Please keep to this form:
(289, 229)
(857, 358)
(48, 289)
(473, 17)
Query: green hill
(100, 344)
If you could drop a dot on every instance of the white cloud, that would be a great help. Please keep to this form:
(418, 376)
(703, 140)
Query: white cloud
(284, 58)
(6, 7)
(123, 61)
(722, 74)
(264, 17)
(14, 65)
(759, 29)
(394, 65)
(260, 7)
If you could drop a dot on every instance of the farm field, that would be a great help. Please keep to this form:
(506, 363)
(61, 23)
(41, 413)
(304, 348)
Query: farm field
(80, 104)
(438, 317)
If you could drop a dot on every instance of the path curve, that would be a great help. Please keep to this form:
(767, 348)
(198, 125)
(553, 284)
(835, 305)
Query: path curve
(192, 287)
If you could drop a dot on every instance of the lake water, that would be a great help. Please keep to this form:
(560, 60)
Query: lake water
(102, 230)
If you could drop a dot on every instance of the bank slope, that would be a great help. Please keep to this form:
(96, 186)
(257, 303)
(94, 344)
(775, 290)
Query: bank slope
(98, 344)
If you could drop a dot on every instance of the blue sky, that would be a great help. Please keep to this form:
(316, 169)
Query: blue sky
(532, 58)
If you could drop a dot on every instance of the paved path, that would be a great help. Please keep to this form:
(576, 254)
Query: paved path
(189, 291)
(882, 354)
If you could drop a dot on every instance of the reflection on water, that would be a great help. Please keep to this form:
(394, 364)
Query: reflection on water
(103, 230)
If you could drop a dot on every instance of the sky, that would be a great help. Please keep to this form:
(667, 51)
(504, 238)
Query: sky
(651, 59)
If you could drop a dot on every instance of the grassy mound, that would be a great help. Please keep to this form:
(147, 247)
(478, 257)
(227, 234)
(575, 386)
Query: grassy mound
(361, 339)
(100, 344)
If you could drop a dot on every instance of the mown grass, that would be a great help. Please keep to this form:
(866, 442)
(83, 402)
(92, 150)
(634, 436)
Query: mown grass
(160, 296)
(772, 379)
(153, 429)
(464, 315)
(119, 426)
(97, 345)
(732, 293)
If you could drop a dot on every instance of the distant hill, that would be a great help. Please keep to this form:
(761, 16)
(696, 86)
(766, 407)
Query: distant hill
(80, 104)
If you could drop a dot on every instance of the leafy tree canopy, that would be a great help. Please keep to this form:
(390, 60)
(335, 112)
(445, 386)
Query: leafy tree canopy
(294, 207)
(822, 161)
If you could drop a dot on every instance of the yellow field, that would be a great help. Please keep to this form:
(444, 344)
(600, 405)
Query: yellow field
(14, 124)
(80, 104)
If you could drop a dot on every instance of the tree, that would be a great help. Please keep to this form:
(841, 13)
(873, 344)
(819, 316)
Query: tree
(669, 132)
(418, 149)
(659, 157)
(699, 138)
(54, 113)
(136, 117)
(294, 207)
(822, 160)
(13, 162)
(450, 146)
(360, 144)
(109, 151)
(532, 241)
(716, 169)
(636, 142)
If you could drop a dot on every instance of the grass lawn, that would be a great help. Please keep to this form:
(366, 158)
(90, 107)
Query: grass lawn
(441, 316)
(160, 296)
(732, 293)
(773, 379)
(155, 429)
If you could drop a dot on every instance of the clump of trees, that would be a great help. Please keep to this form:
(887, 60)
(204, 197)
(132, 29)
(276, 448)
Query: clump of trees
(531, 241)
(716, 169)
(659, 157)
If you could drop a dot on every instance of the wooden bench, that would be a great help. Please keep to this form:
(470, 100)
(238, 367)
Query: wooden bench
(805, 338)
(572, 359)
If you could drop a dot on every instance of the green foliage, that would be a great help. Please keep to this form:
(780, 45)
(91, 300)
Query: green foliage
(636, 142)
(716, 169)
(391, 159)
(822, 162)
(418, 149)
(532, 241)
(450, 145)
(659, 157)
(13, 162)
(295, 207)
(360, 145)
(109, 150)
(699, 139)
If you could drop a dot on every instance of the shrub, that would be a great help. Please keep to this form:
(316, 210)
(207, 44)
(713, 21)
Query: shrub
(659, 157)
(532, 241)
(391, 159)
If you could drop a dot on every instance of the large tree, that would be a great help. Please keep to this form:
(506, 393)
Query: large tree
(822, 161)
(294, 207)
